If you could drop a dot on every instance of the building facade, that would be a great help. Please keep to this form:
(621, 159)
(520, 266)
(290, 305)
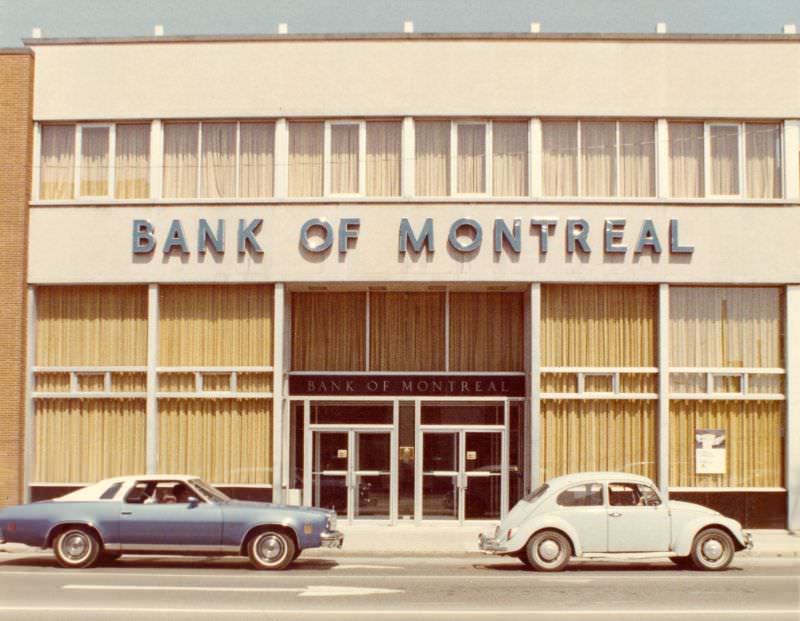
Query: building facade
(412, 277)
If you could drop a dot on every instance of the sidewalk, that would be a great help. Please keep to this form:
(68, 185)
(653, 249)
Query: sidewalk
(410, 540)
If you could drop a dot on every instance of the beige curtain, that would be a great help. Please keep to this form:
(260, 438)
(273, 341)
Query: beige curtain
(91, 326)
(256, 159)
(754, 450)
(471, 162)
(57, 174)
(598, 435)
(486, 331)
(724, 153)
(329, 331)
(598, 158)
(218, 160)
(94, 161)
(432, 152)
(180, 160)
(726, 327)
(224, 441)
(85, 440)
(407, 331)
(560, 158)
(306, 144)
(215, 325)
(384, 140)
(509, 159)
(637, 152)
(687, 159)
(599, 325)
(344, 158)
(763, 160)
(132, 161)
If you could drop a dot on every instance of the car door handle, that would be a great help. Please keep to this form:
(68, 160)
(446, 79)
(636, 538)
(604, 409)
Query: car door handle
(615, 514)
(126, 513)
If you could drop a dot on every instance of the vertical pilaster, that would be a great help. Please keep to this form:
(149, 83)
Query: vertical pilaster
(281, 158)
(29, 446)
(792, 449)
(791, 158)
(535, 158)
(662, 437)
(534, 381)
(156, 159)
(663, 189)
(277, 392)
(152, 379)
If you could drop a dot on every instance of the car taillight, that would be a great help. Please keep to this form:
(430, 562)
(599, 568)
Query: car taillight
(511, 532)
(11, 527)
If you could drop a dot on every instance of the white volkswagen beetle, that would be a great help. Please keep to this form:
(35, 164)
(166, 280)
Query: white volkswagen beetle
(613, 514)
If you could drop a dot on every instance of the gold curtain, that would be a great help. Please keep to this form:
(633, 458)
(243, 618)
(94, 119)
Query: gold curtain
(85, 440)
(329, 331)
(94, 161)
(509, 158)
(384, 146)
(407, 331)
(218, 160)
(753, 442)
(486, 331)
(763, 160)
(598, 435)
(91, 326)
(599, 325)
(306, 143)
(220, 440)
(57, 173)
(215, 325)
(132, 163)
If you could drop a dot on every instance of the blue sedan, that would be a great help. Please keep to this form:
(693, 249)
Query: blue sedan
(166, 514)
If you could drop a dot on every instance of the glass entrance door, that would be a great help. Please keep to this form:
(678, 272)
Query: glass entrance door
(352, 472)
(463, 475)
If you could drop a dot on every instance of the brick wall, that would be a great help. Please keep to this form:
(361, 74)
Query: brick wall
(16, 100)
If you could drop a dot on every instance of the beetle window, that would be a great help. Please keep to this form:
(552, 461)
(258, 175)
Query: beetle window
(586, 495)
(632, 495)
(111, 491)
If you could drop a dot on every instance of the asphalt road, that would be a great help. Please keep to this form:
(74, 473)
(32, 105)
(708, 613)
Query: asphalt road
(395, 588)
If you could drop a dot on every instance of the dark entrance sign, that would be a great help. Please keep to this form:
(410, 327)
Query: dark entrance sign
(407, 385)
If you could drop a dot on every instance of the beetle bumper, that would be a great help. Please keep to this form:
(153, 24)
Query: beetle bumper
(490, 545)
(748, 540)
(331, 539)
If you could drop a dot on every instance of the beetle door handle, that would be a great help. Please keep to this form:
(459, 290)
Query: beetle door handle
(126, 513)
(615, 514)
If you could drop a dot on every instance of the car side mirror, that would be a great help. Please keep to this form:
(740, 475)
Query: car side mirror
(193, 501)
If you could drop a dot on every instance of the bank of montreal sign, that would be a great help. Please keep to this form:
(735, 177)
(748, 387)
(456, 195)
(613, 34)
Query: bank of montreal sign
(465, 235)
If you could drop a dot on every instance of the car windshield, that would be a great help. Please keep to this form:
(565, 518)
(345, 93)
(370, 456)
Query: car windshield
(212, 493)
(536, 493)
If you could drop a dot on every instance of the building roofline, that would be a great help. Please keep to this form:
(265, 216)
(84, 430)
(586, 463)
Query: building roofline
(16, 50)
(513, 36)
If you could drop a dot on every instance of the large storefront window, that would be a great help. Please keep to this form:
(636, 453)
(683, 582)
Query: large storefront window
(727, 381)
(599, 379)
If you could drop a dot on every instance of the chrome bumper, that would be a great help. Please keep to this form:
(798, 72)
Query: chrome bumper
(490, 545)
(331, 539)
(748, 541)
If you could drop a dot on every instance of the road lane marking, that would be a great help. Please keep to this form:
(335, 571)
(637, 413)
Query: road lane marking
(384, 612)
(366, 567)
(309, 591)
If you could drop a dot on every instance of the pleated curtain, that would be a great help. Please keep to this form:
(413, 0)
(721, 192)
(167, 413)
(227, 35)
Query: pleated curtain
(57, 173)
(509, 158)
(94, 161)
(637, 154)
(560, 158)
(132, 161)
(687, 159)
(598, 159)
(306, 144)
(763, 159)
(384, 142)
(344, 158)
(218, 160)
(180, 159)
(724, 154)
(432, 153)
(256, 160)
(471, 161)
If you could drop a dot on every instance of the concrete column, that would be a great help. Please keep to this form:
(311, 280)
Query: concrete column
(29, 448)
(277, 393)
(152, 380)
(791, 158)
(534, 384)
(662, 452)
(792, 438)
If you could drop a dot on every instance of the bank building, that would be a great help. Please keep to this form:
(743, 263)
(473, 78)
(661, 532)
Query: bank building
(407, 276)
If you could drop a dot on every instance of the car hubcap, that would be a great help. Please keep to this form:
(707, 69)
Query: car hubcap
(712, 550)
(548, 550)
(270, 548)
(75, 547)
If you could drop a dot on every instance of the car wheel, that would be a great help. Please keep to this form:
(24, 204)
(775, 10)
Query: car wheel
(271, 549)
(297, 553)
(684, 562)
(76, 548)
(548, 550)
(712, 550)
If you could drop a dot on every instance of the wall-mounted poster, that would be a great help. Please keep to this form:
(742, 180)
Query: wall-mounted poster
(709, 451)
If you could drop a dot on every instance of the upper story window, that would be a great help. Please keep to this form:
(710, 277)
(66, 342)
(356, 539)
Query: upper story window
(218, 160)
(113, 161)
(598, 158)
(344, 158)
(474, 171)
(725, 159)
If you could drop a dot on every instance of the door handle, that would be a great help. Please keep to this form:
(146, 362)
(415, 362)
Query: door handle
(615, 514)
(126, 513)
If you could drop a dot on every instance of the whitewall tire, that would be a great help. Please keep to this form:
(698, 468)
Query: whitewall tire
(271, 549)
(712, 550)
(77, 548)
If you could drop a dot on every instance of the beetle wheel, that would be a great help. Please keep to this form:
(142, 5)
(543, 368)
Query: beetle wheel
(271, 549)
(712, 550)
(76, 548)
(548, 550)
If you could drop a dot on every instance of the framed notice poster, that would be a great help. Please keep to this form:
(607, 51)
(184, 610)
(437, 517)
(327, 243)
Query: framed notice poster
(709, 451)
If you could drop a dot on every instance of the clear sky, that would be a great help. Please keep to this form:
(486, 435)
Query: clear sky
(100, 18)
